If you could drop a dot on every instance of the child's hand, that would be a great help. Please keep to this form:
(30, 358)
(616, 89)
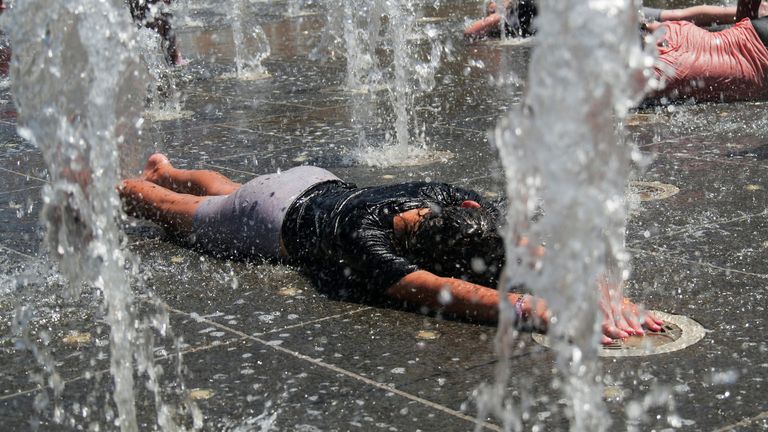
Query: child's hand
(623, 319)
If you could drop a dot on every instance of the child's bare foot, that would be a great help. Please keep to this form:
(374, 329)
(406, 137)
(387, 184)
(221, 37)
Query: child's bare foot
(155, 166)
(180, 61)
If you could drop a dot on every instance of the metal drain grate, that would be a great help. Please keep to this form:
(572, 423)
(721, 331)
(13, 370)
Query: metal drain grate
(668, 334)
(677, 333)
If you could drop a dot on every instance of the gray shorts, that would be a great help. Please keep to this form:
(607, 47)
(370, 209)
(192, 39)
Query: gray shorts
(248, 221)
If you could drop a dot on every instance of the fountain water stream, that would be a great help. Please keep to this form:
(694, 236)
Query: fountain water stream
(79, 90)
(361, 27)
(409, 75)
(251, 44)
(164, 96)
(77, 98)
(563, 149)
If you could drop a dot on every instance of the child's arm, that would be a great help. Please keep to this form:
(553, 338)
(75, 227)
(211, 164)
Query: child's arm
(477, 302)
(701, 15)
(459, 297)
(484, 27)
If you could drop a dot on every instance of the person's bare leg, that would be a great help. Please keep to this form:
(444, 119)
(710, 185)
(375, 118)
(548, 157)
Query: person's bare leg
(159, 171)
(147, 200)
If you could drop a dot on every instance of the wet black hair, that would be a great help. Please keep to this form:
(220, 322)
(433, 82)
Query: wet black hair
(458, 242)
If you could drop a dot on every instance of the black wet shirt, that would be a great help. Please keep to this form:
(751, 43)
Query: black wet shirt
(344, 235)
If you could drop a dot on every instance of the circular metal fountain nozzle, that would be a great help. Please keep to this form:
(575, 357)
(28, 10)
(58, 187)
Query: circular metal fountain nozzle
(677, 333)
(650, 191)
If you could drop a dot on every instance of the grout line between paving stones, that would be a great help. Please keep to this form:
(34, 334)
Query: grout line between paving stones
(674, 258)
(714, 224)
(217, 344)
(20, 190)
(745, 422)
(351, 374)
(241, 128)
(104, 371)
(219, 167)
(6, 248)
(309, 107)
(744, 161)
(23, 175)
(463, 129)
(230, 329)
(261, 155)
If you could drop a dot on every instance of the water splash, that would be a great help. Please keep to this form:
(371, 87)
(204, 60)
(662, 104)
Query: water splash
(77, 88)
(164, 98)
(392, 25)
(563, 149)
(251, 43)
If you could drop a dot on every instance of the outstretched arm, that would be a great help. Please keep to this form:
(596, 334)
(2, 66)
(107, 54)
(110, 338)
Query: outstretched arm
(482, 303)
(461, 298)
(703, 15)
(488, 26)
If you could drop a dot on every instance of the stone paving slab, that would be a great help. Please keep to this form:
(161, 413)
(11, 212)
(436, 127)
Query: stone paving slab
(704, 200)
(718, 381)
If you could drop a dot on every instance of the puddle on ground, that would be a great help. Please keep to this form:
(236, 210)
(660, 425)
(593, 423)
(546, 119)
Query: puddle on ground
(300, 14)
(162, 115)
(427, 335)
(528, 41)
(365, 89)
(200, 394)
(638, 119)
(77, 338)
(289, 292)
(651, 191)
(393, 156)
(245, 76)
(429, 20)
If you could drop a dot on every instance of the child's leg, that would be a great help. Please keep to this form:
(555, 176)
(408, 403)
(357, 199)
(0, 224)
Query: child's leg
(170, 209)
(195, 182)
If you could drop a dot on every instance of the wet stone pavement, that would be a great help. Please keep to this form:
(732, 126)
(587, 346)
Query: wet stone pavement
(253, 345)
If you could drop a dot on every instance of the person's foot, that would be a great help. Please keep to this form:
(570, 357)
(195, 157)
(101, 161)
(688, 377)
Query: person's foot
(180, 61)
(176, 59)
(156, 164)
(490, 9)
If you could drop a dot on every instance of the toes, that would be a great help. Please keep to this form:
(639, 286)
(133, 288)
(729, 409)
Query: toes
(614, 332)
(652, 324)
